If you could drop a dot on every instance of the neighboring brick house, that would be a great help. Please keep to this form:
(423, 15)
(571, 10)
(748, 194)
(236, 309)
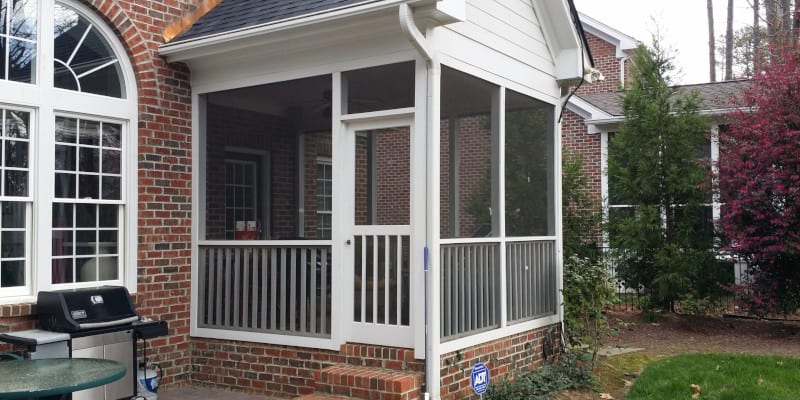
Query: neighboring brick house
(595, 111)
(309, 192)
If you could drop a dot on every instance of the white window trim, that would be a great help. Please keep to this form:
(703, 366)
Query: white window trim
(329, 162)
(18, 95)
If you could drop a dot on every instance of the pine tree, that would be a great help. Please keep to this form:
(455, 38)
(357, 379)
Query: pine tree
(663, 240)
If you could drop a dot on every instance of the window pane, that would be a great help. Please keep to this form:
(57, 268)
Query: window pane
(23, 19)
(62, 270)
(89, 132)
(89, 187)
(13, 244)
(12, 273)
(89, 160)
(13, 214)
(16, 183)
(63, 77)
(65, 186)
(108, 240)
(62, 215)
(112, 160)
(17, 124)
(81, 52)
(112, 188)
(112, 135)
(21, 60)
(16, 155)
(66, 130)
(108, 268)
(65, 158)
(529, 168)
(85, 242)
(469, 188)
(62, 243)
(109, 217)
(86, 216)
(3, 51)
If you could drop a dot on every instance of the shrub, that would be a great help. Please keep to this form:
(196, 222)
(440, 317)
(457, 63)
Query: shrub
(588, 290)
(540, 383)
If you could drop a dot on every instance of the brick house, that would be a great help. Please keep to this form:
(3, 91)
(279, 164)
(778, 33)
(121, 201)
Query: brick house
(308, 192)
(594, 113)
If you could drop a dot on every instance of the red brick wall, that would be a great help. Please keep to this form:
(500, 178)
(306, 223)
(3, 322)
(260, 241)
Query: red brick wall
(284, 371)
(577, 142)
(502, 357)
(393, 158)
(605, 60)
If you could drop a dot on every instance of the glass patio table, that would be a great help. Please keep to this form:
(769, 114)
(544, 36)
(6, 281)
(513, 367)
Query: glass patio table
(30, 379)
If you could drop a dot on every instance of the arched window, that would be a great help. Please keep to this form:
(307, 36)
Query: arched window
(67, 150)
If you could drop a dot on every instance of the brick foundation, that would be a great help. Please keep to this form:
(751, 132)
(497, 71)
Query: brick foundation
(502, 357)
(285, 371)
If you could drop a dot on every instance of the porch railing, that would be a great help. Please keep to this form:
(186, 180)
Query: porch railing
(270, 288)
(531, 274)
(469, 288)
(471, 282)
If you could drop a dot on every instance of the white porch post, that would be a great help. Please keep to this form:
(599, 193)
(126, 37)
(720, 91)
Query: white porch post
(433, 278)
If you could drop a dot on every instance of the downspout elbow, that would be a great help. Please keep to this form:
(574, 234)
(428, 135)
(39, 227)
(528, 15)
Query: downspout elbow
(410, 29)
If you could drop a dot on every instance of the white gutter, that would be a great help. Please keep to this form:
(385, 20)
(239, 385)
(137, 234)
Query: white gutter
(417, 39)
(176, 51)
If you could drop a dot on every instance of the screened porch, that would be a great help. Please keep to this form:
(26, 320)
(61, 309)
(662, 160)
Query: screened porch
(315, 209)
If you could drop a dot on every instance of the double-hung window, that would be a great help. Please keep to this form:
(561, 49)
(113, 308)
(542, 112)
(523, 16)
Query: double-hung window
(67, 151)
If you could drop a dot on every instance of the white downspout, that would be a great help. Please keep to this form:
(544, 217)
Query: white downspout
(417, 39)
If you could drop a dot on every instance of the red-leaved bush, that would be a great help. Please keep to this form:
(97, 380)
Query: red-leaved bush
(759, 176)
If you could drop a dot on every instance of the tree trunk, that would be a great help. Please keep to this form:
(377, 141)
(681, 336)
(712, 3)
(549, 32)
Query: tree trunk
(712, 57)
(786, 17)
(756, 38)
(796, 21)
(729, 43)
(774, 21)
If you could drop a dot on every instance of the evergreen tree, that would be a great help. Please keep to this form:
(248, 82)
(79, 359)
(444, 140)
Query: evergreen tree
(663, 240)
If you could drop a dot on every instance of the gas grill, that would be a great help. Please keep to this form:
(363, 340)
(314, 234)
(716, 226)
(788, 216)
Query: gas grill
(100, 322)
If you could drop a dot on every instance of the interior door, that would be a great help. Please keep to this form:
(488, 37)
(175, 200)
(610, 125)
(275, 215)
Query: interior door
(380, 237)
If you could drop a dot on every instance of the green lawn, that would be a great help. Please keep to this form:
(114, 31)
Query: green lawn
(720, 377)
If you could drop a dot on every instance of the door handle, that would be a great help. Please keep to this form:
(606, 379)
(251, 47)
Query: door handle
(347, 242)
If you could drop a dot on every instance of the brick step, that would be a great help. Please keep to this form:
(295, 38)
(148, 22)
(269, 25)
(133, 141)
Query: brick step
(368, 383)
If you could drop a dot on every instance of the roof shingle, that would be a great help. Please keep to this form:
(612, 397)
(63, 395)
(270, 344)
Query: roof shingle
(231, 15)
(713, 96)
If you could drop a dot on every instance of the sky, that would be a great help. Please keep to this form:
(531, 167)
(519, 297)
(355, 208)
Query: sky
(683, 25)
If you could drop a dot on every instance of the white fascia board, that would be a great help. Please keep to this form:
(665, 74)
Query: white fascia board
(623, 43)
(207, 45)
(594, 118)
(440, 11)
(563, 40)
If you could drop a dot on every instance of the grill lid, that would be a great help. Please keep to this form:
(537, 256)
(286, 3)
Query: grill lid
(79, 309)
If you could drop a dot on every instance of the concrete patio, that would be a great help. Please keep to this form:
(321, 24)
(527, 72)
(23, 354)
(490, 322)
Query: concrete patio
(195, 393)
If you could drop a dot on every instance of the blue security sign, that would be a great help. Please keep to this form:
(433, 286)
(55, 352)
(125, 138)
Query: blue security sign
(479, 379)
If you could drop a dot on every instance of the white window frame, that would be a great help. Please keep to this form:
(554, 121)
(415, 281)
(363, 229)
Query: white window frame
(45, 102)
(327, 162)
